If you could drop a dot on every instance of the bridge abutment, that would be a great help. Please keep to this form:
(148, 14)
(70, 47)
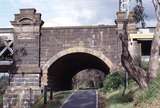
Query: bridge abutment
(25, 78)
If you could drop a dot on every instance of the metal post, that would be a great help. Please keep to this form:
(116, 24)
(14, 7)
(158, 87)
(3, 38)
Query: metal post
(51, 94)
(126, 79)
(119, 5)
(45, 94)
(30, 101)
(125, 82)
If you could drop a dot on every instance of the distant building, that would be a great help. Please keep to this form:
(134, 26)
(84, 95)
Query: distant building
(140, 42)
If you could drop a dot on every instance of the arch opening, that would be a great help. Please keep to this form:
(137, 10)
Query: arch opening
(61, 71)
(88, 79)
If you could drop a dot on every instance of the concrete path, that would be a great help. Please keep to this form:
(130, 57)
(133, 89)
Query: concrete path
(82, 99)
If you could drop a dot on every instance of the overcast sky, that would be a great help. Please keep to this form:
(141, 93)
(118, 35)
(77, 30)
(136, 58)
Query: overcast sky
(69, 12)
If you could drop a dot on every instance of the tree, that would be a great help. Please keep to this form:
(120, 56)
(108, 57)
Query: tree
(139, 13)
(154, 55)
(137, 73)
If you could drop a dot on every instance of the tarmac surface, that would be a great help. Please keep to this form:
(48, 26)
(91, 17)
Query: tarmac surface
(81, 99)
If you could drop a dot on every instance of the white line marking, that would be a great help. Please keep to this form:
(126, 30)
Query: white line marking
(96, 99)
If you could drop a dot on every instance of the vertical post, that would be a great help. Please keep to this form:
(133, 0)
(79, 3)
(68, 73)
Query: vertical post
(30, 100)
(45, 94)
(9, 80)
(51, 94)
(119, 5)
(125, 82)
(126, 79)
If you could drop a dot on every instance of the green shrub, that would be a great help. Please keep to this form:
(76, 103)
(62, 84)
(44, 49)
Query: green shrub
(113, 82)
(144, 65)
(151, 92)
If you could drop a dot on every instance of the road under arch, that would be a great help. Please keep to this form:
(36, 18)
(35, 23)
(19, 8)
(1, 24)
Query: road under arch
(61, 71)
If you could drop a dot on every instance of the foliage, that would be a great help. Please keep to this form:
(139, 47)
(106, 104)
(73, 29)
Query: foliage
(135, 98)
(139, 13)
(115, 99)
(119, 101)
(113, 81)
(152, 92)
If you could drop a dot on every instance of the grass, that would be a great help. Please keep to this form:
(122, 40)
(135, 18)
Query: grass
(58, 100)
(135, 98)
(116, 100)
(150, 95)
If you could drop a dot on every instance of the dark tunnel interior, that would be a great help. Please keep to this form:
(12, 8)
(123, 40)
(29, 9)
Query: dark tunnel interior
(60, 73)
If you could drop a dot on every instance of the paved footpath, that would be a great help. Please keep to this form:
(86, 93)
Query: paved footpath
(82, 99)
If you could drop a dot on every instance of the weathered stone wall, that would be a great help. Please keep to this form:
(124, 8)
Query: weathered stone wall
(20, 97)
(22, 92)
(100, 38)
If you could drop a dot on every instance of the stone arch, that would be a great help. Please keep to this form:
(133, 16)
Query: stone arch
(97, 54)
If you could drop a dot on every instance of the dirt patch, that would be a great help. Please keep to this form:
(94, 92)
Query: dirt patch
(153, 104)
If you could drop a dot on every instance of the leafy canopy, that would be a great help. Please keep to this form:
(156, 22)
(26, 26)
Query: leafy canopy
(139, 13)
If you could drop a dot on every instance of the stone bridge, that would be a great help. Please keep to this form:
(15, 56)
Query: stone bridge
(51, 56)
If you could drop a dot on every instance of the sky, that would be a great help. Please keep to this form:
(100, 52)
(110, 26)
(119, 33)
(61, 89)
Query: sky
(70, 12)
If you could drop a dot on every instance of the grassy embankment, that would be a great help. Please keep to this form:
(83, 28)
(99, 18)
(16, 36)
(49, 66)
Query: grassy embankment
(134, 97)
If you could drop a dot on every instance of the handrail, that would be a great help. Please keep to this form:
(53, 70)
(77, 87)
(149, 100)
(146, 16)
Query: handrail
(6, 62)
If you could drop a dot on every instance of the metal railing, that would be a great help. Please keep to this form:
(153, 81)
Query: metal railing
(6, 52)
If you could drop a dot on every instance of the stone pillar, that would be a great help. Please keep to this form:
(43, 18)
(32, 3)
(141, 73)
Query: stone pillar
(25, 80)
(132, 26)
(121, 18)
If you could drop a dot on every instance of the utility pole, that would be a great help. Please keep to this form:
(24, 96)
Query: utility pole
(124, 6)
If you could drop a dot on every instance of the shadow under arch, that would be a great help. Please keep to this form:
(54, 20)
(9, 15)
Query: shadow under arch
(63, 66)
